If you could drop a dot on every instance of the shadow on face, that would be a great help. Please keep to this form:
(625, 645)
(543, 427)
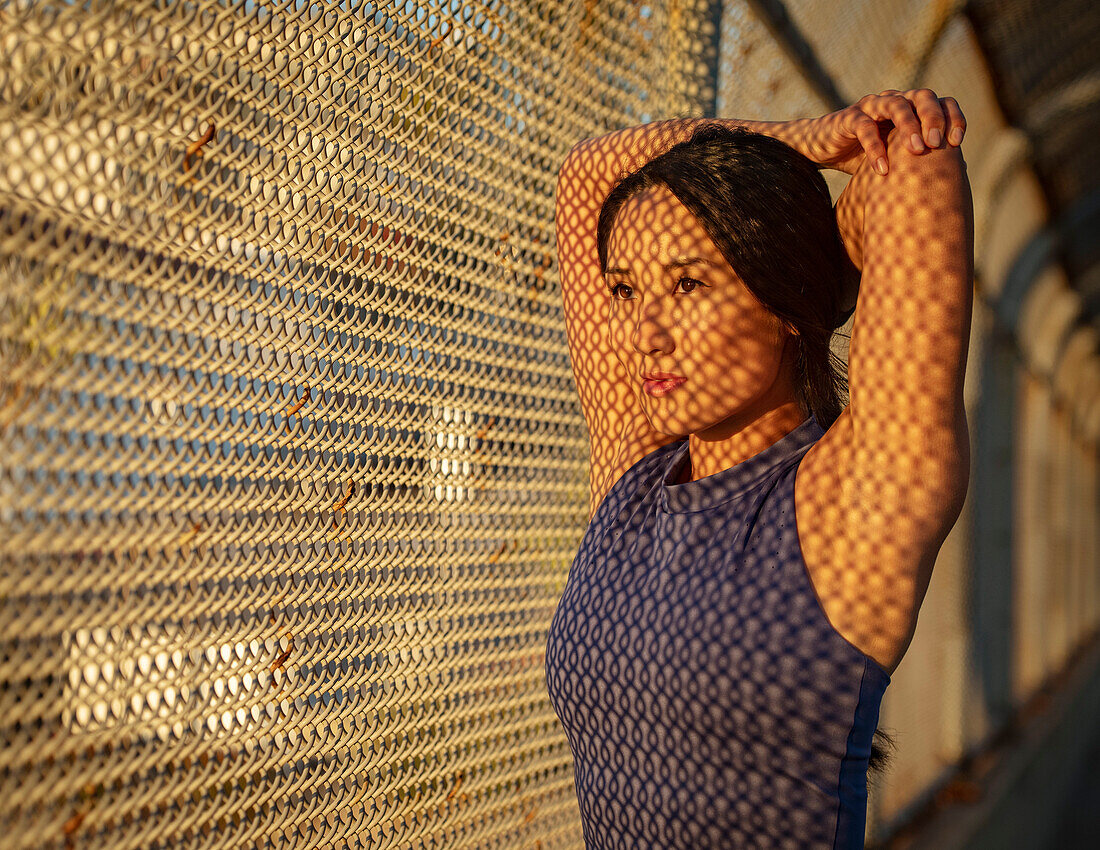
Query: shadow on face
(678, 309)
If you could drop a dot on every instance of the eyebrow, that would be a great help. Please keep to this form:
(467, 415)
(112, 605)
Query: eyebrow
(682, 262)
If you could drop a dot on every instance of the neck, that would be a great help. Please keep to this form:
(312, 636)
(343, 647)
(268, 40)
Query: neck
(760, 424)
(739, 438)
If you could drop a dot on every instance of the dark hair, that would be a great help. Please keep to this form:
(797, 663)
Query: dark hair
(883, 745)
(768, 210)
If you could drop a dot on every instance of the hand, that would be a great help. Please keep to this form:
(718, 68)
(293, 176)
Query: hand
(842, 139)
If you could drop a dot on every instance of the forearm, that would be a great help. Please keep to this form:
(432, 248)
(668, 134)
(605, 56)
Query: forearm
(595, 165)
(865, 186)
(619, 153)
(911, 232)
(611, 408)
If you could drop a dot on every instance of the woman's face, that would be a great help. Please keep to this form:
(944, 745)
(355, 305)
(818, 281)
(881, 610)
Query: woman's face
(678, 308)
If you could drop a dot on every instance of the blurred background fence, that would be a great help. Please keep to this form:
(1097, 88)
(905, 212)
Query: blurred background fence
(292, 467)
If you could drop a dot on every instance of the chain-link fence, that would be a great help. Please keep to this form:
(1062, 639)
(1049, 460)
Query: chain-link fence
(291, 462)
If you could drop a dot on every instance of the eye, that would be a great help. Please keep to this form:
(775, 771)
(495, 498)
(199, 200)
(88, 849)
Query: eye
(689, 280)
(615, 288)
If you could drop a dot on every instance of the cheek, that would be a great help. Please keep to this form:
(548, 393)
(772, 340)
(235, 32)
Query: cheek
(732, 346)
(619, 332)
(708, 334)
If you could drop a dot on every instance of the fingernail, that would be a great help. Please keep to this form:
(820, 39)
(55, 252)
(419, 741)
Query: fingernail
(916, 143)
(956, 136)
(934, 137)
(880, 165)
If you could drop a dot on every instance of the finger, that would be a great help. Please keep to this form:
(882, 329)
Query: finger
(956, 121)
(930, 112)
(866, 130)
(897, 109)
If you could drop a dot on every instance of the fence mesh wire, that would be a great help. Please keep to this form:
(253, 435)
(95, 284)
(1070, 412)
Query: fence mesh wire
(291, 464)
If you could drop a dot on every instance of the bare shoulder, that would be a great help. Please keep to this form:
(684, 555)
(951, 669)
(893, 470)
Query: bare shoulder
(869, 546)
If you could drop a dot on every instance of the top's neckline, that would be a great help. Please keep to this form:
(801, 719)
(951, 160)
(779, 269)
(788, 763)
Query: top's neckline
(737, 479)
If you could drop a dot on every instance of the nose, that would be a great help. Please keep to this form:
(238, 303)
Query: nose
(651, 335)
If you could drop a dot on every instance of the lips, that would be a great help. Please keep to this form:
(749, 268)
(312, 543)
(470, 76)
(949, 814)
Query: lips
(658, 384)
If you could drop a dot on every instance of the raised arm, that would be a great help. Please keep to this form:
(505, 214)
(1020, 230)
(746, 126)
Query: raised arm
(619, 433)
(896, 464)
(911, 232)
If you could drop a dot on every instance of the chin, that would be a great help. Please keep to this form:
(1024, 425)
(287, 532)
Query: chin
(675, 428)
(665, 425)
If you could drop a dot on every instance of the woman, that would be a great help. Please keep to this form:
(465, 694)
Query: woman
(757, 552)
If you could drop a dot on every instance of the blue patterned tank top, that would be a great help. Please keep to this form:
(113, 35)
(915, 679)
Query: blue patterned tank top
(707, 699)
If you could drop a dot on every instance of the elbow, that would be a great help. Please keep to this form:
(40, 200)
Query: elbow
(936, 500)
(575, 158)
(567, 164)
(567, 172)
(571, 168)
(952, 475)
(955, 500)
